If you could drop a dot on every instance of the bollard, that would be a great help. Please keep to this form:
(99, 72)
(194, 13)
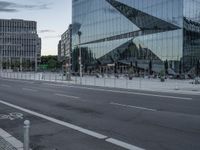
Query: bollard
(126, 83)
(176, 88)
(26, 134)
(115, 82)
(140, 82)
(94, 81)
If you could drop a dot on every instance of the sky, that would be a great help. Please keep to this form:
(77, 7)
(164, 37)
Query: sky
(53, 18)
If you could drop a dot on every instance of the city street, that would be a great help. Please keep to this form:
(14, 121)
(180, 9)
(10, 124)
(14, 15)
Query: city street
(72, 117)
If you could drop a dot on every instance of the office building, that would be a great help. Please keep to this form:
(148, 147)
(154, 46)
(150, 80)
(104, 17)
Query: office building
(20, 46)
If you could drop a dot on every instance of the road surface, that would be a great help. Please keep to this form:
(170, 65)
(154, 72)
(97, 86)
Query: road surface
(71, 117)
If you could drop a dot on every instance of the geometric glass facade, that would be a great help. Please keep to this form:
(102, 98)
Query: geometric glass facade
(137, 32)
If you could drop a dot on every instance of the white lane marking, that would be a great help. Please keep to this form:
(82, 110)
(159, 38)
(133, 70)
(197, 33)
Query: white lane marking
(74, 127)
(69, 125)
(59, 85)
(123, 144)
(17, 80)
(124, 92)
(10, 139)
(182, 92)
(5, 85)
(134, 93)
(68, 96)
(130, 106)
(27, 89)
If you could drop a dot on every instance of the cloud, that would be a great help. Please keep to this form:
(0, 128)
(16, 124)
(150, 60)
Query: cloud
(15, 7)
(46, 31)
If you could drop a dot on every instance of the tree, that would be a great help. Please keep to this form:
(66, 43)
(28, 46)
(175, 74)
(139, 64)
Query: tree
(52, 64)
(115, 68)
(198, 67)
(166, 67)
(180, 67)
(150, 67)
(136, 66)
(87, 58)
(51, 61)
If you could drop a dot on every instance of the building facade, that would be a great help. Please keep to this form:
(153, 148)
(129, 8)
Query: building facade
(66, 44)
(59, 51)
(163, 33)
(20, 46)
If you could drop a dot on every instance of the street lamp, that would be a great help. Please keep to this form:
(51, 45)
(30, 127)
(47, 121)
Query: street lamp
(1, 65)
(80, 59)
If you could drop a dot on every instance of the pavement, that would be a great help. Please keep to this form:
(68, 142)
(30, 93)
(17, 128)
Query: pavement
(73, 117)
(147, 84)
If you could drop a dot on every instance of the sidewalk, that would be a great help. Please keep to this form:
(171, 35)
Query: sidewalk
(8, 142)
(170, 85)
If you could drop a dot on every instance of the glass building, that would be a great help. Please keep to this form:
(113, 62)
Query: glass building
(163, 33)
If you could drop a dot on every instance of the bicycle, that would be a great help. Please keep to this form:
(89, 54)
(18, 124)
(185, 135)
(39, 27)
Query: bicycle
(11, 116)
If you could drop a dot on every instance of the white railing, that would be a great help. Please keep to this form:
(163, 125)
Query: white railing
(111, 81)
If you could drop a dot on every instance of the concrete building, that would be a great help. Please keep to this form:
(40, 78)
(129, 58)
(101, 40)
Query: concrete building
(66, 44)
(144, 34)
(20, 46)
(65, 49)
(59, 51)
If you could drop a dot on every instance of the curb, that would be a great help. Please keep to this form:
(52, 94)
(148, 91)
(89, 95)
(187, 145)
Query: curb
(16, 144)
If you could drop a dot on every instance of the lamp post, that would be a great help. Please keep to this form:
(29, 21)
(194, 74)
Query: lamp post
(1, 65)
(80, 57)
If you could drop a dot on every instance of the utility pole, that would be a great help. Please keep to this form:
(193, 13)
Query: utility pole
(1, 61)
(36, 60)
(80, 57)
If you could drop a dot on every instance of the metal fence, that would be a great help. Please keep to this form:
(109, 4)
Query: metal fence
(112, 81)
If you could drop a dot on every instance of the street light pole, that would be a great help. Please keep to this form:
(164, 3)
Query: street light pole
(1, 65)
(80, 57)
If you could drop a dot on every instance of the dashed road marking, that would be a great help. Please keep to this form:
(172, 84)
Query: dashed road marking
(5, 85)
(17, 80)
(68, 96)
(130, 106)
(74, 127)
(134, 93)
(30, 90)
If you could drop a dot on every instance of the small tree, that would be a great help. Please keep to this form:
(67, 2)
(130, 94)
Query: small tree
(162, 74)
(136, 66)
(180, 67)
(198, 68)
(150, 67)
(130, 73)
(115, 68)
(52, 64)
(166, 67)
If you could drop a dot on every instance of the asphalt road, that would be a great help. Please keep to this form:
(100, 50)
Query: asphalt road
(68, 117)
